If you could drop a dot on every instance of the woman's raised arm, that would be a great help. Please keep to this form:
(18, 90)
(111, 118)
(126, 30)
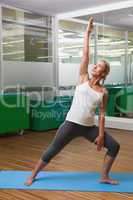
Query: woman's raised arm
(83, 71)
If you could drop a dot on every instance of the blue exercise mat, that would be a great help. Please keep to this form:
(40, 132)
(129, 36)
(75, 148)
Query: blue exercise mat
(69, 181)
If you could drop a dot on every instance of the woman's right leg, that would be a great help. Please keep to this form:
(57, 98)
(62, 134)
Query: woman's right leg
(63, 136)
(40, 165)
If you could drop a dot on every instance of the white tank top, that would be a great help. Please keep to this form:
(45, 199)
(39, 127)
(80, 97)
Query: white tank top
(85, 101)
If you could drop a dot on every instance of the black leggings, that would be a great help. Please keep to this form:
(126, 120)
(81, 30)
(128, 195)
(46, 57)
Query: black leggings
(70, 130)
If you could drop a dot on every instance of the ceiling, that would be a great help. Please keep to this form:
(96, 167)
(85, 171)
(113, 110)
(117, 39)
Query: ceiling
(122, 18)
(57, 6)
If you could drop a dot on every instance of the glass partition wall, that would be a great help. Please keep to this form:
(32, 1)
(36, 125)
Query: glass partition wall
(111, 45)
(71, 42)
(26, 36)
(111, 40)
(26, 48)
(130, 56)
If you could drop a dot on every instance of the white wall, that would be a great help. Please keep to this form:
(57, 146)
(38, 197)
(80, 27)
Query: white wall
(117, 122)
(68, 74)
(116, 75)
(27, 73)
(38, 74)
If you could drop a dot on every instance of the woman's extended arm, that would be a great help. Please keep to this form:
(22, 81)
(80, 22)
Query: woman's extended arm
(83, 71)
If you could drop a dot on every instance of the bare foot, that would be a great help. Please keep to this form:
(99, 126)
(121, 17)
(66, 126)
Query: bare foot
(29, 181)
(109, 181)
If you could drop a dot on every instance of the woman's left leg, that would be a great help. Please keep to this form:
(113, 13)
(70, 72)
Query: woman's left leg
(112, 150)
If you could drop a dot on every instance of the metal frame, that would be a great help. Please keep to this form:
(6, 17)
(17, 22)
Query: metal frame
(126, 59)
(1, 52)
(55, 27)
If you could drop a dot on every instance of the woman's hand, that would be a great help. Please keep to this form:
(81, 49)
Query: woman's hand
(90, 25)
(99, 141)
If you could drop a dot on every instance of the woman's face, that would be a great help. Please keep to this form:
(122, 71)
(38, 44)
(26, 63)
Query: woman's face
(98, 69)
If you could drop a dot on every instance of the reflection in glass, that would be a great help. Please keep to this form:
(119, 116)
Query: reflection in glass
(26, 36)
(111, 47)
(71, 42)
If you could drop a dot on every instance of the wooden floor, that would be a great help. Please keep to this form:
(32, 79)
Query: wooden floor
(22, 152)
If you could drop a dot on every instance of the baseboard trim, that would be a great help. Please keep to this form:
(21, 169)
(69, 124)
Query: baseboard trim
(117, 122)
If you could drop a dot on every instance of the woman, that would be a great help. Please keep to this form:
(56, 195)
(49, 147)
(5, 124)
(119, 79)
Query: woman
(79, 121)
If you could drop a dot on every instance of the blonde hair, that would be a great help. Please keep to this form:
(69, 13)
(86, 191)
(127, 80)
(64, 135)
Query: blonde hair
(107, 69)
